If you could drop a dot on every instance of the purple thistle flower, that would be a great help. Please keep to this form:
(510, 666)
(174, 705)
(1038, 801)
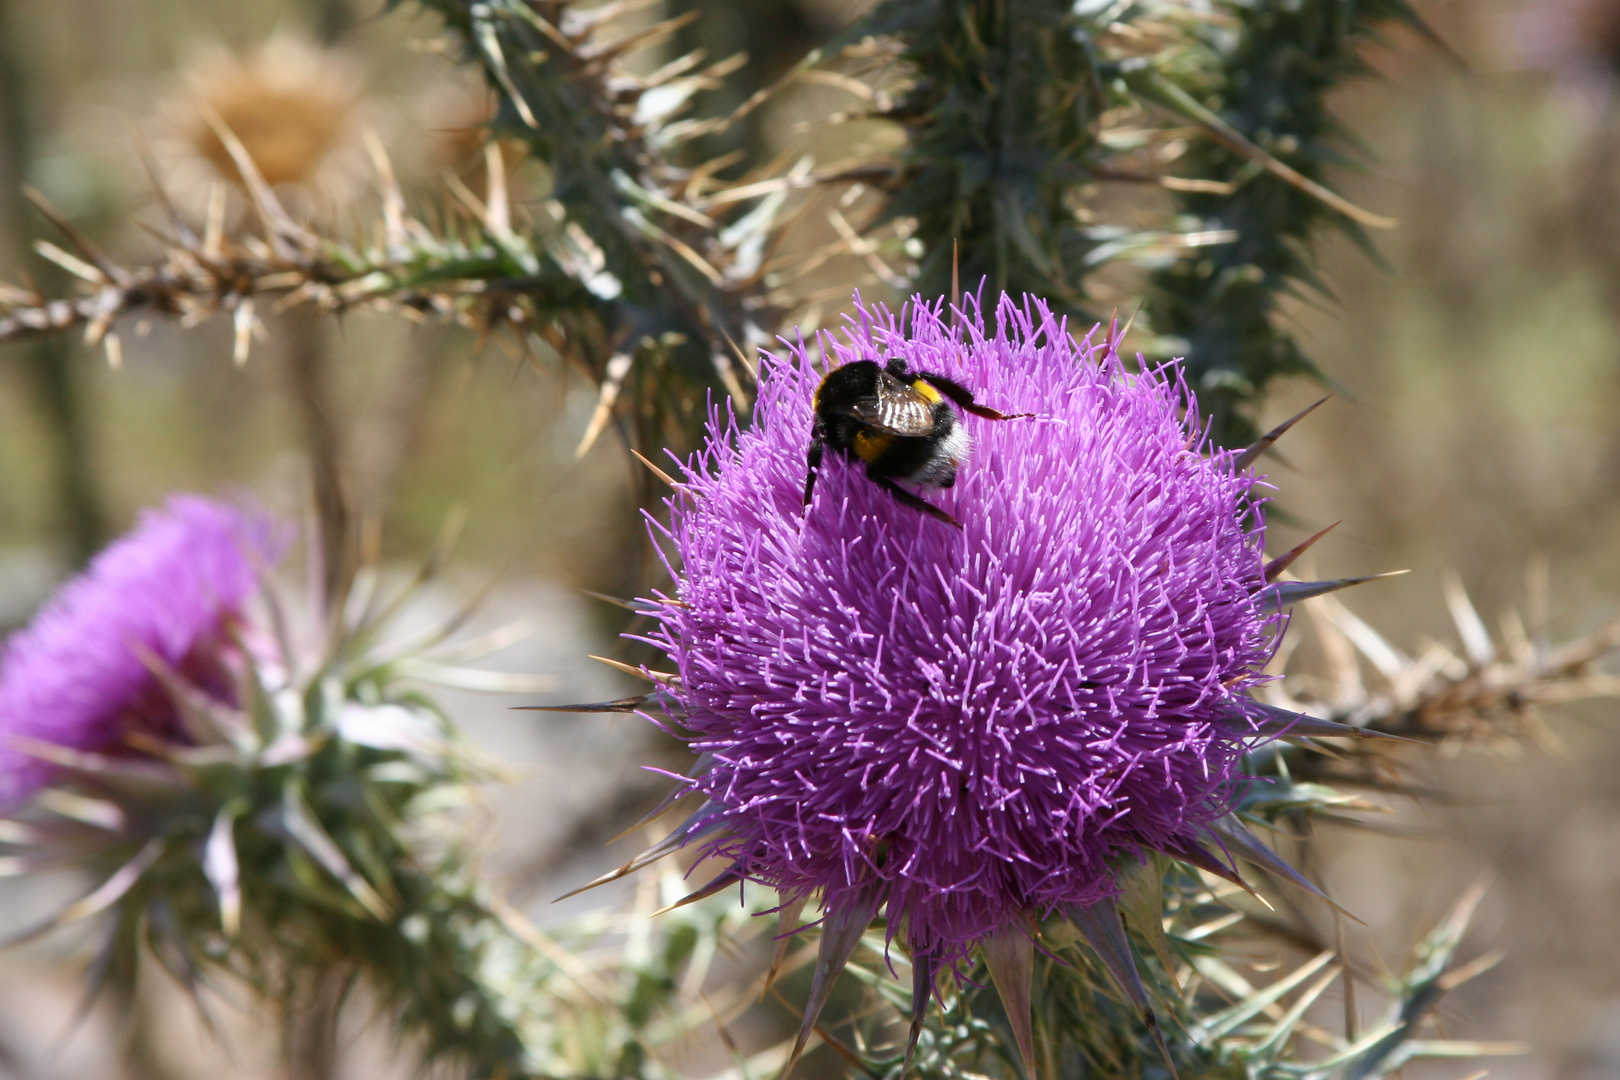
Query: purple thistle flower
(1577, 42)
(967, 726)
(75, 676)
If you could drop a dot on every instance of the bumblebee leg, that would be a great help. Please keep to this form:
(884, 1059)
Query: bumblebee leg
(963, 397)
(912, 501)
(813, 461)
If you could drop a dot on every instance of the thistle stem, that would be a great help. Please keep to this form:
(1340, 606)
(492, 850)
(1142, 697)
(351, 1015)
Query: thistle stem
(309, 378)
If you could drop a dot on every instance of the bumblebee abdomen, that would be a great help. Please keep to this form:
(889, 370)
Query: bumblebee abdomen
(900, 427)
(930, 460)
(870, 445)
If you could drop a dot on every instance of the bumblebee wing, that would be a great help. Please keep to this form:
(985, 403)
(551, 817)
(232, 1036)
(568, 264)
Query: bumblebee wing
(895, 408)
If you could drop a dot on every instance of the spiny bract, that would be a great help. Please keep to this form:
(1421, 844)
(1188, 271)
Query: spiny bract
(967, 726)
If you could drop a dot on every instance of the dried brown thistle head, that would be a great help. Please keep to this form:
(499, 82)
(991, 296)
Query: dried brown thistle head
(295, 106)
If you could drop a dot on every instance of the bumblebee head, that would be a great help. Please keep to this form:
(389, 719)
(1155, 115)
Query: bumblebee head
(843, 386)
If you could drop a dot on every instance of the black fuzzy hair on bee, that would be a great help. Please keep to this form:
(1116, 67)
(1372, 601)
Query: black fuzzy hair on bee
(902, 425)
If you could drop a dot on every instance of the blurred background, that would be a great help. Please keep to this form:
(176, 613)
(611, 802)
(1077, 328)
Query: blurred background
(1472, 436)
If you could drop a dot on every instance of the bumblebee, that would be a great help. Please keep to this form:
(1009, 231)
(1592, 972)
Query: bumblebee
(902, 425)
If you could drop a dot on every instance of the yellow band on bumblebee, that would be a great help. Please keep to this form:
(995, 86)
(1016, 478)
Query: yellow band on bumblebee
(869, 445)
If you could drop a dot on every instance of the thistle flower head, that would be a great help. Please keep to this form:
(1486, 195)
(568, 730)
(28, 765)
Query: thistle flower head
(1575, 41)
(263, 791)
(294, 105)
(78, 675)
(968, 725)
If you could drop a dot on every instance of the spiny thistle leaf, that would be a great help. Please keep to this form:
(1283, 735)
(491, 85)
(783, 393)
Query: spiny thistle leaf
(1265, 76)
(1016, 110)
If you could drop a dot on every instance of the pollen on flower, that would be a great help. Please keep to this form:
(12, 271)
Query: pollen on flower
(979, 724)
(76, 675)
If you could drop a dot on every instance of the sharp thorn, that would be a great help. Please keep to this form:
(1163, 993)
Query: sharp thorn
(618, 367)
(923, 970)
(667, 802)
(112, 270)
(742, 357)
(706, 818)
(1251, 455)
(660, 473)
(789, 913)
(1276, 566)
(1288, 723)
(1236, 836)
(727, 877)
(183, 231)
(1130, 322)
(278, 225)
(661, 678)
(1273, 598)
(622, 705)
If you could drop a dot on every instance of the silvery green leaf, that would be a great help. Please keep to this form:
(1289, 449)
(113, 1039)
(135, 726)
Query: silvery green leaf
(221, 867)
(479, 647)
(288, 748)
(306, 831)
(1229, 1019)
(128, 781)
(1280, 1032)
(17, 865)
(408, 773)
(287, 709)
(464, 678)
(99, 813)
(108, 893)
(17, 833)
(393, 727)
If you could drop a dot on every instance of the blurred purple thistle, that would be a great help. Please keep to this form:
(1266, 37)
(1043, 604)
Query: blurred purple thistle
(967, 726)
(75, 676)
(1576, 41)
